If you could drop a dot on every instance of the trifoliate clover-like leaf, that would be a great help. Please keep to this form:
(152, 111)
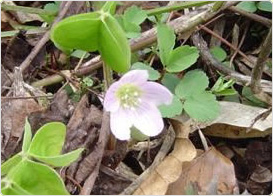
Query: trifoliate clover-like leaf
(193, 82)
(249, 6)
(27, 137)
(182, 58)
(170, 81)
(265, 6)
(202, 106)
(166, 41)
(37, 179)
(135, 15)
(175, 108)
(218, 53)
(153, 74)
(60, 160)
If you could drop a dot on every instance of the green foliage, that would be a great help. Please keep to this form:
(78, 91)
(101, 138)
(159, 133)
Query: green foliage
(265, 6)
(131, 21)
(170, 81)
(54, 7)
(248, 6)
(80, 54)
(251, 99)
(198, 103)
(21, 175)
(175, 108)
(202, 106)
(153, 74)
(36, 179)
(60, 160)
(178, 59)
(252, 6)
(166, 41)
(222, 88)
(193, 82)
(96, 31)
(27, 137)
(138, 135)
(182, 58)
(87, 81)
(48, 140)
(10, 163)
(219, 53)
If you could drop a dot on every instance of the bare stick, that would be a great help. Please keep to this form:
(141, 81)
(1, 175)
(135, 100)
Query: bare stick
(258, 69)
(24, 65)
(252, 16)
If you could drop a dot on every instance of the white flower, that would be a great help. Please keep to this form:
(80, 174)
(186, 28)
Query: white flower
(133, 101)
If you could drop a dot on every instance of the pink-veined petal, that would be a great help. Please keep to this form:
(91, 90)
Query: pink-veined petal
(147, 119)
(120, 125)
(156, 93)
(111, 103)
(135, 76)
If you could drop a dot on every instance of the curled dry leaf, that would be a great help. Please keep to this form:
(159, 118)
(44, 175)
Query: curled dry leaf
(14, 112)
(170, 168)
(237, 124)
(212, 172)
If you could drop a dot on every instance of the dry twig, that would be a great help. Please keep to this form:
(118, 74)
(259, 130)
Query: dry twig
(207, 57)
(258, 69)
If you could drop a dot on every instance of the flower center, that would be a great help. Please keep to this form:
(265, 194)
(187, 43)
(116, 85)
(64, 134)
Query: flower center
(129, 96)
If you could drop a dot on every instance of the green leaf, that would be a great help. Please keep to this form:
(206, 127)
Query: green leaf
(153, 74)
(166, 41)
(193, 81)
(48, 140)
(109, 6)
(88, 81)
(138, 135)
(114, 46)
(14, 189)
(97, 5)
(265, 6)
(37, 179)
(226, 92)
(132, 30)
(27, 137)
(248, 6)
(135, 15)
(175, 108)
(50, 7)
(219, 53)
(254, 101)
(10, 163)
(60, 160)
(182, 58)
(80, 53)
(202, 106)
(72, 32)
(170, 81)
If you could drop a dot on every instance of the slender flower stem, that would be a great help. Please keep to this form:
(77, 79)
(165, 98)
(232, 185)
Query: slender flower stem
(30, 10)
(178, 6)
(107, 75)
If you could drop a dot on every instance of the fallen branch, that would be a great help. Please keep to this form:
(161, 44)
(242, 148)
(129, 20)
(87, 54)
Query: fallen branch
(24, 65)
(207, 57)
(258, 69)
(252, 16)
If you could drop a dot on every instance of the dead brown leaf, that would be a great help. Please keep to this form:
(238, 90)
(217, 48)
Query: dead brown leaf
(212, 172)
(13, 115)
(170, 168)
